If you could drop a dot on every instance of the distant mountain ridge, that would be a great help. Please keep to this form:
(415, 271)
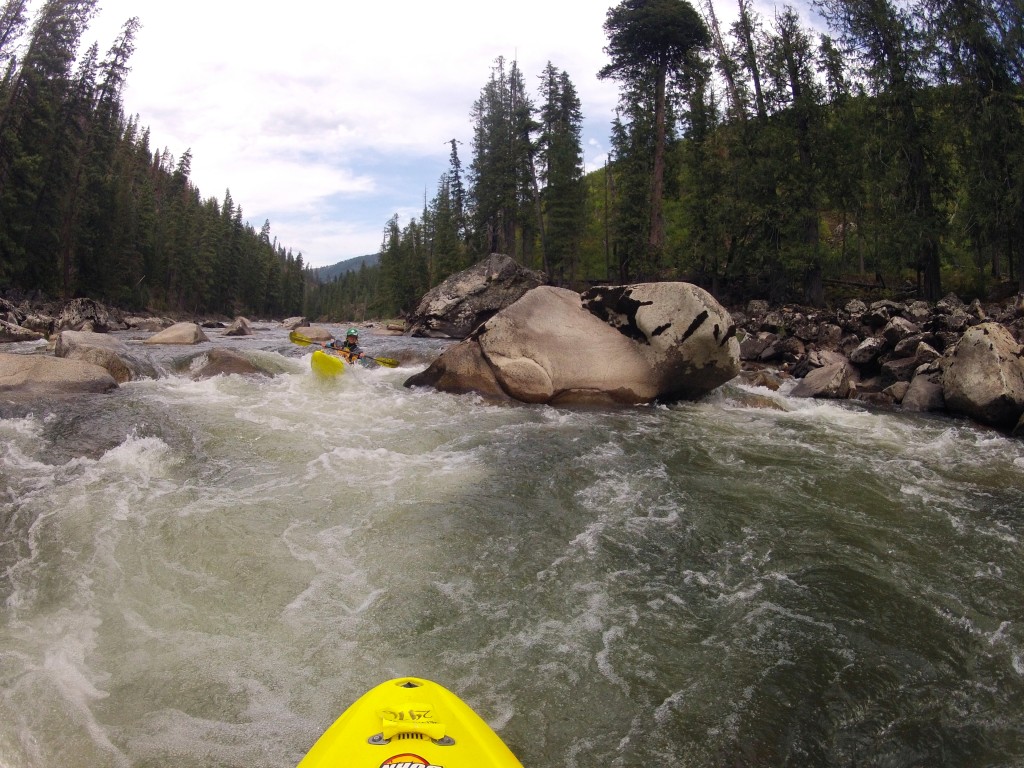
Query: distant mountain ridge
(334, 271)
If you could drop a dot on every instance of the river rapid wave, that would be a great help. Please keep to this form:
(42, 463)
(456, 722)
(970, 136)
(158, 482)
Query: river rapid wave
(205, 573)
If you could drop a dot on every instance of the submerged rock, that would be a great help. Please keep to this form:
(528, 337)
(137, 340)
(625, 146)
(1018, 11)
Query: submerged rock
(35, 375)
(106, 351)
(240, 327)
(225, 362)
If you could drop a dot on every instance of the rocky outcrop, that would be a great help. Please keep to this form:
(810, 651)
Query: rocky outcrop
(461, 303)
(947, 357)
(18, 325)
(85, 315)
(10, 313)
(45, 375)
(615, 345)
(9, 332)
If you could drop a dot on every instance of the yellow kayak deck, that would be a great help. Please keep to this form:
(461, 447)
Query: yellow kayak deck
(409, 722)
(327, 366)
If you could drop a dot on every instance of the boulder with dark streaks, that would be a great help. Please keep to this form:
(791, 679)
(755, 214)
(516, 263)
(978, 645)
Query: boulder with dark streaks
(614, 345)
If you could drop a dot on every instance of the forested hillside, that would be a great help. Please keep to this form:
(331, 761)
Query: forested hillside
(767, 158)
(89, 208)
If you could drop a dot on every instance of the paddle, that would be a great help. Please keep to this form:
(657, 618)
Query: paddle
(297, 338)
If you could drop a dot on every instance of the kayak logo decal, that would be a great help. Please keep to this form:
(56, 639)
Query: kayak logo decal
(407, 761)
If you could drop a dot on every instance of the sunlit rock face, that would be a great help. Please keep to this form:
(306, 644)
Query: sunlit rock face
(612, 345)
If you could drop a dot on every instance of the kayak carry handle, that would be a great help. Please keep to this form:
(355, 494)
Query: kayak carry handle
(431, 729)
(410, 720)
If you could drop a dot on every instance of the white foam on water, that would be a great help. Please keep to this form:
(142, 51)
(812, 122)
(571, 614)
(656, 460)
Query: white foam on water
(54, 651)
(241, 579)
(606, 657)
(340, 588)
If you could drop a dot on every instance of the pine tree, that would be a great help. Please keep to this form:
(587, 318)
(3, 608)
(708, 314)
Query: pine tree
(653, 41)
(791, 66)
(92, 247)
(890, 47)
(457, 190)
(39, 129)
(13, 19)
(445, 242)
(502, 166)
(560, 162)
(978, 70)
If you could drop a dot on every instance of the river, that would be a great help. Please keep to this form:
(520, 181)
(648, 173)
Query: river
(206, 573)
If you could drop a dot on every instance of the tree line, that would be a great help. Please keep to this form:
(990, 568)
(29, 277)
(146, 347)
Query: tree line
(767, 158)
(89, 208)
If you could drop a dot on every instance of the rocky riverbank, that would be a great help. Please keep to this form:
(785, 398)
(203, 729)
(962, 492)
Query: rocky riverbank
(29, 320)
(946, 357)
(962, 359)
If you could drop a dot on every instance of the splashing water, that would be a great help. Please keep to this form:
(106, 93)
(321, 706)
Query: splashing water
(207, 573)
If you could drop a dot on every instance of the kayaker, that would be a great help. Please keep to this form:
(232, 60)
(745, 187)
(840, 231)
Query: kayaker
(349, 349)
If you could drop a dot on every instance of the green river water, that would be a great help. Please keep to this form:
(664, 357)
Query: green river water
(207, 573)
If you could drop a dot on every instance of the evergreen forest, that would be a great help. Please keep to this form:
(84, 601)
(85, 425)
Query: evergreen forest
(871, 145)
(88, 208)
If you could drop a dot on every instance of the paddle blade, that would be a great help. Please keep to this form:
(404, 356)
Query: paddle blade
(387, 362)
(297, 338)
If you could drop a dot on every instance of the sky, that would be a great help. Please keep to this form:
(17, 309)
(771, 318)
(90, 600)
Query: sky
(329, 119)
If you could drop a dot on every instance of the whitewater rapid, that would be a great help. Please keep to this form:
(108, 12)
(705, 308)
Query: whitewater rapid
(205, 573)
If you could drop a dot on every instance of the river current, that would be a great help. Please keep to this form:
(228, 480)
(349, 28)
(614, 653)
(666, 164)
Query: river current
(206, 573)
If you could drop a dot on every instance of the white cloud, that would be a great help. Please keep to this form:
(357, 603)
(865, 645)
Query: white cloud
(327, 119)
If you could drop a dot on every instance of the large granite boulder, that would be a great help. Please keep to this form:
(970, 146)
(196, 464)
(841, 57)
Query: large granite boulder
(983, 376)
(925, 391)
(683, 334)
(45, 376)
(457, 306)
(179, 333)
(616, 345)
(461, 369)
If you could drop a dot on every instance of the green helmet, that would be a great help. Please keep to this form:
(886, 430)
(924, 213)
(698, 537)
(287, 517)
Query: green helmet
(352, 332)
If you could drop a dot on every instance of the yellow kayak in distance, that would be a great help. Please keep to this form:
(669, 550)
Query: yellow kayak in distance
(409, 722)
(327, 366)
